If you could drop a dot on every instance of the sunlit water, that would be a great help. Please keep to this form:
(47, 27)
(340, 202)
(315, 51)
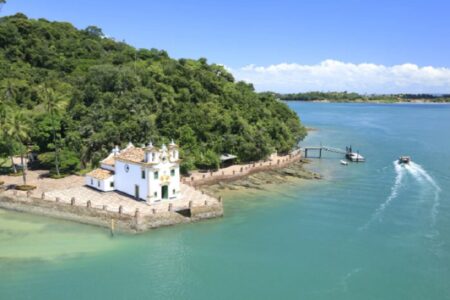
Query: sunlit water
(372, 230)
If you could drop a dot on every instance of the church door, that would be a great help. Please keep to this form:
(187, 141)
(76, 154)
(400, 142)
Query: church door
(165, 192)
(136, 192)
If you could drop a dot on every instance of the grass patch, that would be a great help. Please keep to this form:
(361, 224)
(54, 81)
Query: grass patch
(83, 171)
(5, 166)
(5, 162)
(56, 176)
(25, 187)
(11, 173)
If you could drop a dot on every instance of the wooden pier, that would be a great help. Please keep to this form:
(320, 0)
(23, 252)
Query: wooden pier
(322, 148)
(349, 154)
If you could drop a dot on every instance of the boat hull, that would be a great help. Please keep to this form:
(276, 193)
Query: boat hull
(404, 160)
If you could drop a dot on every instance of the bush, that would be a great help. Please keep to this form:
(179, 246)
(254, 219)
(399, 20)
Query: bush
(69, 163)
(208, 161)
(186, 165)
(25, 187)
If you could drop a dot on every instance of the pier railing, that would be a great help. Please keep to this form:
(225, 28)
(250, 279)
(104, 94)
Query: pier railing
(320, 149)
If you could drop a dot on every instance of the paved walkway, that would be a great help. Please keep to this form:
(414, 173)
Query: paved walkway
(39, 179)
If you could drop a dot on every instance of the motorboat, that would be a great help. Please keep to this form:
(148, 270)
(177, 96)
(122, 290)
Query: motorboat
(353, 156)
(404, 160)
(344, 163)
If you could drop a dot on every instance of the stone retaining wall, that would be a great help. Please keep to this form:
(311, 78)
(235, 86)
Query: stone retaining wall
(244, 170)
(99, 217)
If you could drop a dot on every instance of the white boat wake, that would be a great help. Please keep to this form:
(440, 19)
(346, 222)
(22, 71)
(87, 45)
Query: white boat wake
(422, 177)
(400, 172)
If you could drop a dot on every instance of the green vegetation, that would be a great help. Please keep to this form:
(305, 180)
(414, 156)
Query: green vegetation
(355, 97)
(17, 131)
(70, 162)
(25, 187)
(80, 93)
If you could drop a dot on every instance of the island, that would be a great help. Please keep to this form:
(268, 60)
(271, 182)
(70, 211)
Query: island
(97, 131)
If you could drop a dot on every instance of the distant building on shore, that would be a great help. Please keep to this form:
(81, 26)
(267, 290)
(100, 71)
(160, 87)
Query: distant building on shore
(145, 173)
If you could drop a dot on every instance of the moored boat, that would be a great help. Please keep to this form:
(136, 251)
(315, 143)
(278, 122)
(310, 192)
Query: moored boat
(344, 163)
(353, 156)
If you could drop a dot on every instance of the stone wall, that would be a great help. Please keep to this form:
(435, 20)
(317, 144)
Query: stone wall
(100, 217)
(169, 218)
(241, 171)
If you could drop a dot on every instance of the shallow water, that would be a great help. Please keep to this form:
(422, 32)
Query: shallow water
(367, 231)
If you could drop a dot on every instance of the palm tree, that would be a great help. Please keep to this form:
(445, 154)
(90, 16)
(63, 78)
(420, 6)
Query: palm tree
(53, 105)
(4, 110)
(6, 100)
(18, 128)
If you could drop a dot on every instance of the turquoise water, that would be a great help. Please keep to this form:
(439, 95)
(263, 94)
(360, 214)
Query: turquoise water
(367, 231)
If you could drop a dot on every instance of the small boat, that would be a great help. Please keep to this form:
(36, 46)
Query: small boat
(404, 160)
(344, 163)
(355, 157)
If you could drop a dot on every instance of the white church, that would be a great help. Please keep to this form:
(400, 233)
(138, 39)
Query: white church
(145, 173)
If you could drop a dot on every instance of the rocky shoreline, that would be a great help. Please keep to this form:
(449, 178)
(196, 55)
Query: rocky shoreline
(264, 179)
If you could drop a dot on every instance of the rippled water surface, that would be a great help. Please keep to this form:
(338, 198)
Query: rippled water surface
(373, 230)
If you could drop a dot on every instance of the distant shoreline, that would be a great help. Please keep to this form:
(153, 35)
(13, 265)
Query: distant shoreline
(369, 101)
(352, 97)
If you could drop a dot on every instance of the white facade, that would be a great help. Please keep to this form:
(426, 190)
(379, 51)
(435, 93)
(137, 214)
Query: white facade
(146, 173)
(99, 182)
(126, 181)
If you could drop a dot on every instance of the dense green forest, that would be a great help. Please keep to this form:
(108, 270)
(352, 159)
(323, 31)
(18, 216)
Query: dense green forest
(70, 95)
(355, 97)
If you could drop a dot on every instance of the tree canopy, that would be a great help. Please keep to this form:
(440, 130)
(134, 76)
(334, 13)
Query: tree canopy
(112, 93)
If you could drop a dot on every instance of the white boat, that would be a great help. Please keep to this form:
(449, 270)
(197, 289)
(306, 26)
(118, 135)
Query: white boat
(353, 156)
(344, 163)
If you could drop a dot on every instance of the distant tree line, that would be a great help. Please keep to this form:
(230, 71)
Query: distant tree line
(354, 97)
(70, 95)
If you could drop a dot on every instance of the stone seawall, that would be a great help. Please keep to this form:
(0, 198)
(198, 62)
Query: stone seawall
(104, 218)
(240, 171)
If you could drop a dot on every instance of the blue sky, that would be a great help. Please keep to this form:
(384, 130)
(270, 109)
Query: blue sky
(283, 45)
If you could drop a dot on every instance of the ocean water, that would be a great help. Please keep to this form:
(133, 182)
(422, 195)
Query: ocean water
(372, 230)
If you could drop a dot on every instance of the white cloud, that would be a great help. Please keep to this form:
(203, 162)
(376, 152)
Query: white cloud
(333, 75)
